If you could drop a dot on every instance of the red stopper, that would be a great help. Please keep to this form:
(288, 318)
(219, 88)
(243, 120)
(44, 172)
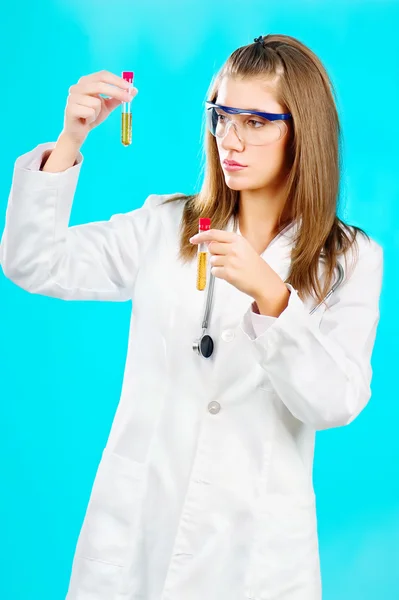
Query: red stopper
(128, 76)
(204, 224)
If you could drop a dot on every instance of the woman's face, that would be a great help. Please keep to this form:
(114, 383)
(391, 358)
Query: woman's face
(265, 165)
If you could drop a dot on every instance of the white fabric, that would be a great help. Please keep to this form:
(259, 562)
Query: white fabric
(192, 501)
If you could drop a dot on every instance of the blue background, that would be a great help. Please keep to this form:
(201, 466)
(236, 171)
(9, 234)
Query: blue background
(62, 362)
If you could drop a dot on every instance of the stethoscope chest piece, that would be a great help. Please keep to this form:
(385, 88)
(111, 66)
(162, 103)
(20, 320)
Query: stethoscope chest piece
(204, 346)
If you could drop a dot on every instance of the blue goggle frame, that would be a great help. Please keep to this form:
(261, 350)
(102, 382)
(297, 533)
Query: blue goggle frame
(242, 111)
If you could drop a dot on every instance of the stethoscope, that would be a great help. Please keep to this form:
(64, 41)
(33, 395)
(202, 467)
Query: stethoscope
(204, 345)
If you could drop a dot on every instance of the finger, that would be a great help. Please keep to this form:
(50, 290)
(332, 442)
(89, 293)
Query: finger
(112, 92)
(221, 248)
(218, 235)
(219, 272)
(88, 102)
(85, 100)
(124, 97)
(112, 103)
(217, 261)
(108, 77)
(94, 88)
(83, 112)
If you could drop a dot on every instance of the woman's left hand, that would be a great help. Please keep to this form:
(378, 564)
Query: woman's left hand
(236, 261)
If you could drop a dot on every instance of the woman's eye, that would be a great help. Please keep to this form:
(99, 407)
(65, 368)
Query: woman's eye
(256, 124)
(220, 117)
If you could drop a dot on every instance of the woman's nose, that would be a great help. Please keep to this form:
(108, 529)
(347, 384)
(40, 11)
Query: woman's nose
(231, 140)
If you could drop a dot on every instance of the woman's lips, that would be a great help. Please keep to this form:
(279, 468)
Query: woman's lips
(231, 165)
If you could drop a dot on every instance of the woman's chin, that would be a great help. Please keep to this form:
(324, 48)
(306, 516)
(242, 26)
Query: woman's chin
(236, 183)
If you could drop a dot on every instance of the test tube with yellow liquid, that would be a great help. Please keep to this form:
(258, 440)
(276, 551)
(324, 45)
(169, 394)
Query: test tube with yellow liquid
(202, 257)
(126, 125)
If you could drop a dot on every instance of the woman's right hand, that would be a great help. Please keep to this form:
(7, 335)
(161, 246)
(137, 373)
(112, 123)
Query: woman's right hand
(85, 107)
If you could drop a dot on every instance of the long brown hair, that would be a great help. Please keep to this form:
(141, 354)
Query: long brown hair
(305, 90)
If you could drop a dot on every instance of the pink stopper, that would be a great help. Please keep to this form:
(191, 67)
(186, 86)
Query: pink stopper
(204, 224)
(128, 76)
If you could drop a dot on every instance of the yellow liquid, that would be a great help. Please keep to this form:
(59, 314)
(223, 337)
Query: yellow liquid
(126, 129)
(201, 271)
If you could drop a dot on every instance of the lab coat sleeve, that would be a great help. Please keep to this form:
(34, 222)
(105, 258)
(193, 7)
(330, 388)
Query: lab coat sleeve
(260, 323)
(42, 254)
(321, 370)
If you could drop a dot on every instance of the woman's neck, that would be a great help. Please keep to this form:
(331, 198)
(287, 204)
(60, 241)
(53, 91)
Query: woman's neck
(258, 217)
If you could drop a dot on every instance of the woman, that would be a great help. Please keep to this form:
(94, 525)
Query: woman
(204, 489)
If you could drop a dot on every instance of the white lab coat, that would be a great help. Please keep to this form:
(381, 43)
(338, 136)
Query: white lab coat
(204, 489)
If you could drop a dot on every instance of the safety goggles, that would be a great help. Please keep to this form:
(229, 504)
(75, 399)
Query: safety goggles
(252, 127)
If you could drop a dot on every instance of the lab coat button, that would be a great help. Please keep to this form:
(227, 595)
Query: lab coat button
(228, 335)
(214, 407)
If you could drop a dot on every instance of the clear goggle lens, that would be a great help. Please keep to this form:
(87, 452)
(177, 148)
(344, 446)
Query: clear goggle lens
(250, 129)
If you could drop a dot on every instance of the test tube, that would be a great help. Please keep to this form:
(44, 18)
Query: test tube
(126, 125)
(204, 225)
